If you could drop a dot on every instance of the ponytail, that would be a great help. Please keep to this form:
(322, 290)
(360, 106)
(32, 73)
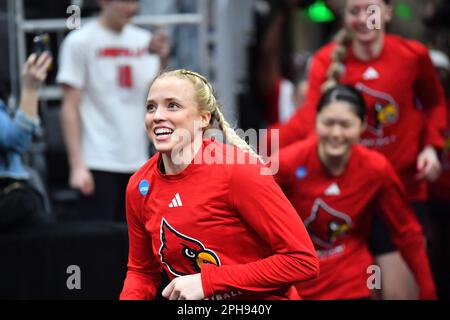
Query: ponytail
(231, 135)
(338, 56)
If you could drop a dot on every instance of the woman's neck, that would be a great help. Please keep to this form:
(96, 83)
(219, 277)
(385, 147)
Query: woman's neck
(368, 51)
(175, 162)
(106, 23)
(335, 165)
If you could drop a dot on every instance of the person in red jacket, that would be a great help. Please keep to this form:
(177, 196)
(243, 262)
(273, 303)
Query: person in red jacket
(337, 187)
(394, 75)
(207, 213)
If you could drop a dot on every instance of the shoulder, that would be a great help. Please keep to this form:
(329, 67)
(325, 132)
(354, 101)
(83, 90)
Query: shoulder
(324, 53)
(80, 36)
(406, 47)
(298, 151)
(371, 160)
(326, 50)
(146, 172)
(137, 32)
(236, 165)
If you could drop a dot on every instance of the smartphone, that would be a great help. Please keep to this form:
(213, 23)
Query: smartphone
(42, 43)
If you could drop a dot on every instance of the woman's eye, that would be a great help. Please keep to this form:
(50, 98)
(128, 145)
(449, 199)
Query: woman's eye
(172, 106)
(353, 11)
(151, 107)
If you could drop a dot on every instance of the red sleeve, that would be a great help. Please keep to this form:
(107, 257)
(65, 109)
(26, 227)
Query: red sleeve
(263, 206)
(144, 273)
(282, 164)
(431, 95)
(302, 122)
(406, 231)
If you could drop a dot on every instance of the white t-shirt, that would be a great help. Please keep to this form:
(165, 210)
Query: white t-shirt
(114, 71)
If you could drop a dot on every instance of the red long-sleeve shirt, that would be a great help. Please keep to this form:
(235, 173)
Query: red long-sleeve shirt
(391, 84)
(338, 212)
(227, 221)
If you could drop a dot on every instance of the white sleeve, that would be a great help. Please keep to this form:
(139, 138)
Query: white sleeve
(72, 62)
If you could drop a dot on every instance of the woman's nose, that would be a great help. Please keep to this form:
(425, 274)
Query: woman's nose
(336, 130)
(159, 114)
(363, 17)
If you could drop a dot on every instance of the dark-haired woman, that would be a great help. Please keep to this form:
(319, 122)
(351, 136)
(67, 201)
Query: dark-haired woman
(405, 113)
(337, 187)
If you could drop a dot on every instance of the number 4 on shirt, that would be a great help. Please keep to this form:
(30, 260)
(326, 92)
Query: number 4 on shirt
(125, 78)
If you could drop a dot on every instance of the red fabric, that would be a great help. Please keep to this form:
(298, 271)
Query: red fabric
(440, 190)
(348, 202)
(238, 217)
(404, 73)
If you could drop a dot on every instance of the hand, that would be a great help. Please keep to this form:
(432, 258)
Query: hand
(428, 164)
(160, 45)
(185, 288)
(81, 178)
(35, 70)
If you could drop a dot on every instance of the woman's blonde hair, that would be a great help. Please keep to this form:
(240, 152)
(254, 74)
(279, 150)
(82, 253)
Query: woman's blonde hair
(338, 56)
(207, 101)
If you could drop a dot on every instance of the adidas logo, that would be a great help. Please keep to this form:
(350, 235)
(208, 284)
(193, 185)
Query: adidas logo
(370, 74)
(332, 190)
(176, 202)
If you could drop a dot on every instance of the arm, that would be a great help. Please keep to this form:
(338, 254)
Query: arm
(406, 231)
(80, 177)
(431, 95)
(17, 134)
(263, 206)
(160, 45)
(72, 75)
(144, 273)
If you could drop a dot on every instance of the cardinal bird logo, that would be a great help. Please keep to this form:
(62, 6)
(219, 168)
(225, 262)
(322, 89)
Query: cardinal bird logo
(385, 110)
(326, 225)
(181, 254)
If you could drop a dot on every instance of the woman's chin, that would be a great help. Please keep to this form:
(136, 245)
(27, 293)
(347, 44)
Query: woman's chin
(163, 147)
(336, 152)
(366, 38)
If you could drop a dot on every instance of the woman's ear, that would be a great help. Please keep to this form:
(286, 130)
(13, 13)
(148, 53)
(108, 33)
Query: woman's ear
(205, 118)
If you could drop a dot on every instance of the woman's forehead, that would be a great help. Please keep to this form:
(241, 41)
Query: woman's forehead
(172, 85)
(339, 108)
(364, 3)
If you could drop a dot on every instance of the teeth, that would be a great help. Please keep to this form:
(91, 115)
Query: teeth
(163, 131)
